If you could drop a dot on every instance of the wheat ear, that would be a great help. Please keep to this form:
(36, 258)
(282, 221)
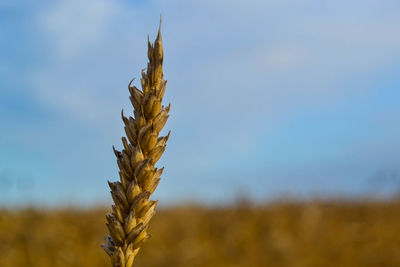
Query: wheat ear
(132, 210)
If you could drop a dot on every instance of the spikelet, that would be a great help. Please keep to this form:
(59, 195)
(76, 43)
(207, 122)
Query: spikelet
(132, 210)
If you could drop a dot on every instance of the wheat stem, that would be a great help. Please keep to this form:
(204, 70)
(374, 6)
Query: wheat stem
(132, 210)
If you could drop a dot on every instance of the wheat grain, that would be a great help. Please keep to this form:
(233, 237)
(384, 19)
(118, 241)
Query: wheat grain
(132, 210)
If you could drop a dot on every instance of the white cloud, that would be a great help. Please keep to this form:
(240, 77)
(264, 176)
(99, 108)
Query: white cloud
(76, 25)
(69, 96)
(282, 58)
(88, 59)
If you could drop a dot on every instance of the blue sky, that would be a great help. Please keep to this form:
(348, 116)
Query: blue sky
(269, 98)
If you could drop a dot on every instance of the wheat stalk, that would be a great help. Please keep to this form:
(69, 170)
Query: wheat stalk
(132, 210)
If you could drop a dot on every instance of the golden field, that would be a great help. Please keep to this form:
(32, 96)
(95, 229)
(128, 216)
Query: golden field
(280, 234)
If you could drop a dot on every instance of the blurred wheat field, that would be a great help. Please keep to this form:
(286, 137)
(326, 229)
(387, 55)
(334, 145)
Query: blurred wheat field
(287, 234)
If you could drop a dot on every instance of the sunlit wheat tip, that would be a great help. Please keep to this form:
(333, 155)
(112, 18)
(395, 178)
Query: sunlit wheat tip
(128, 223)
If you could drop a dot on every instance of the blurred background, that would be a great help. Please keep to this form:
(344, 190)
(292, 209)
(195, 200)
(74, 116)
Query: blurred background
(284, 151)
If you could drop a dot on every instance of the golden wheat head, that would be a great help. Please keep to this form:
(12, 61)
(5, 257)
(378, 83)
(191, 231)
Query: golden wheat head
(132, 210)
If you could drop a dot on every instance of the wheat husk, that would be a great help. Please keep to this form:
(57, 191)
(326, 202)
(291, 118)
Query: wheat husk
(128, 223)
